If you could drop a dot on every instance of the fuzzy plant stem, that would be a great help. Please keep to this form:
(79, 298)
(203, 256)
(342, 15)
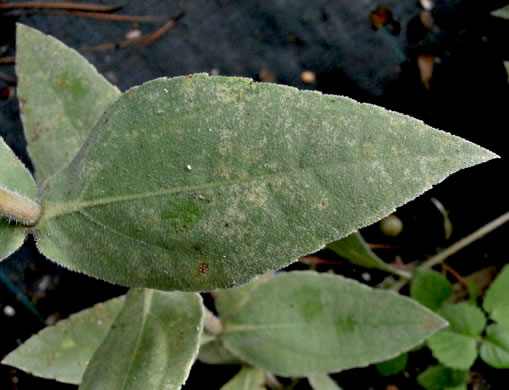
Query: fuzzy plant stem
(212, 324)
(18, 208)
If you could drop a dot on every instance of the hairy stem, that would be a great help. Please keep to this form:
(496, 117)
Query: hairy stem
(212, 324)
(19, 208)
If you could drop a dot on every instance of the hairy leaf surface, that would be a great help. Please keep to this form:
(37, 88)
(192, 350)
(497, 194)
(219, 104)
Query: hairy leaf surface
(61, 98)
(151, 345)
(300, 323)
(63, 351)
(15, 178)
(198, 182)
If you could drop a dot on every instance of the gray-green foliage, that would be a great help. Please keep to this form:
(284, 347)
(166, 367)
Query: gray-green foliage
(60, 100)
(152, 343)
(63, 351)
(15, 178)
(199, 182)
(268, 322)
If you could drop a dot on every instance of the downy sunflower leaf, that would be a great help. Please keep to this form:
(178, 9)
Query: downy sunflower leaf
(152, 343)
(61, 98)
(62, 352)
(15, 179)
(301, 323)
(197, 183)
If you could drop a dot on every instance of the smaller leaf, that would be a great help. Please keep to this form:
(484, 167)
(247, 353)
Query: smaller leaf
(496, 302)
(495, 347)
(456, 346)
(442, 378)
(501, 12)
(322, 382)
(393, 366)
(248, 378)
(266, 326)
(354, 249)
(63, 351)
(151, 345)
(14, 178)
(430, 288)
(214, 352)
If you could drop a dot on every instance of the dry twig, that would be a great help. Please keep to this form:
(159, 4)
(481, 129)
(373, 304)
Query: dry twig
(61, 5)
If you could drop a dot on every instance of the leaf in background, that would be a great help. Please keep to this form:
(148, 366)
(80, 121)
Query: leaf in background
(61, 98)
(301, 323)
(430, 289)
(214, 352)
(248, 378)
(198, 182)
(355, 249)
(495, 346)
(506, 65)
(393, 366)
(456, 346)
(63, 351)
(442, 378)
(496, 301)
(14, 178)
(322, 382)
(501, 12)
(151, 345)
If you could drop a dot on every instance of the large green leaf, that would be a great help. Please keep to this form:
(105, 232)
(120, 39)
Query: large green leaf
(61, 98)
(322, 382)
(355, 249)
(63, 351)
(495, 346)
(456, 346)
(198, 182)
(430, 289)
(248, 378)
(213, 352)
(300, 323)
(496, 302)
(151, 345)
(14, 179)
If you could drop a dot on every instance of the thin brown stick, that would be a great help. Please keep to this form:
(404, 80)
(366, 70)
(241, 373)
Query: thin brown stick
(61, 5)
(143, 40)
(7, 60)
(113, 17)
(456, 275)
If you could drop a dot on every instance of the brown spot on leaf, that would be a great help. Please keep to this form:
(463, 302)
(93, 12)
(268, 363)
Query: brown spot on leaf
(203, 268)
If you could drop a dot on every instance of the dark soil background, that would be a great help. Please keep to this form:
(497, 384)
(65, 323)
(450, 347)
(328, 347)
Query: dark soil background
(276, 41)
